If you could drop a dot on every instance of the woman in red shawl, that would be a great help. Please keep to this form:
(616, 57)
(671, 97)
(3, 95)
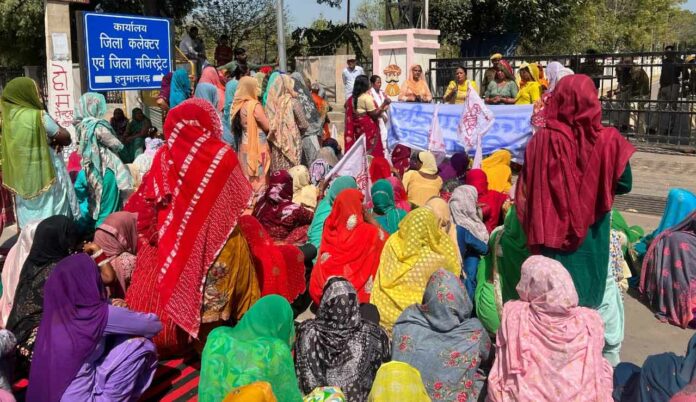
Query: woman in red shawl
(400, 196)
(350, 247)
(491, 201)
(284, 220)
(279, 268)
(188, 206)
(574, 167)
(379, 169)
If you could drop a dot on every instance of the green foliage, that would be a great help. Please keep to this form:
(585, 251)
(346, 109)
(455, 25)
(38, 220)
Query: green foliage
(324, 38)
(22, 36)
(621, 25)
(236, 19)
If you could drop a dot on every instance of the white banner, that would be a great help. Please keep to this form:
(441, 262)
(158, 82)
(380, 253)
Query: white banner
(354, 163)
(476, 120)
(436, 141)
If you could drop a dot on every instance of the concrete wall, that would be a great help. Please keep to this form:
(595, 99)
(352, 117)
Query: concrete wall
(327, 71)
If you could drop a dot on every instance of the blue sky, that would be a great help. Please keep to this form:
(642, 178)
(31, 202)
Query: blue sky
(303, 12)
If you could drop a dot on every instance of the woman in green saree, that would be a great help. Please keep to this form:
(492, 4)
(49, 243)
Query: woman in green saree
(256, 349)
(32, 168)
(499, 272)
(385, 211)
(134, 139)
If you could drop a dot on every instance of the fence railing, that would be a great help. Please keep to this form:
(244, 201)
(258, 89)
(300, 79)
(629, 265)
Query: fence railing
(628, 85)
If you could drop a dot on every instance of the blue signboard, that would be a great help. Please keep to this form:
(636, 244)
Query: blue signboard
(125, 52)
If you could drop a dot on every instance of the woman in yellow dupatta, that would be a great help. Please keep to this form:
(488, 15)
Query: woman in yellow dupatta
(497, 169)
(530, 88)
(415, 89)
(248, 117)
(398, 381)
(409, 257)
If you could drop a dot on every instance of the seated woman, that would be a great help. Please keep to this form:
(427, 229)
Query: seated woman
(472, 235)
(491, 202)
(398, 381)
(415, 89)
(661, 377)
(279, 267)
(108, 356)
(118, 239)
(12, 269)
(323, 211)
(422, 183)
(400, 196)
(362, 116)
(186, 226)
(442, 341)
(530, 88)
(668, 276)
(680, 204)
(612, 308)
(133, 139)
(303, 192)
(285, 221)
(326, 394)
(384, 207)
(104, 179)
(119, 122)
(503, 90)
(56, 237)
(143, 162)
(498, 171)
(8, 343)
(350, 247)
(458, 88)
(546, 335)
(379, 169)
(339, 347)
(409, 258)
(256, 349)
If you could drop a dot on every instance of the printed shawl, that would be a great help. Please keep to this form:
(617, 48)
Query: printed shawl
(199, 191)
(98, 148)
(571, 170)
(339, 347)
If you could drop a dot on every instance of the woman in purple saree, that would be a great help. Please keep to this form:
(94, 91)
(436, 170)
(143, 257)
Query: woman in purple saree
(108, 357)
(668, 278)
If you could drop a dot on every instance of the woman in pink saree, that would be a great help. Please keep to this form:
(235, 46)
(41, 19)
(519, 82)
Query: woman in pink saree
(548, 348)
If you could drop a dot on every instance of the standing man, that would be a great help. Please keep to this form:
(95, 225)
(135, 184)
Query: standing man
(350, 73)
(193, 48)
(240, 59)
(670, 77)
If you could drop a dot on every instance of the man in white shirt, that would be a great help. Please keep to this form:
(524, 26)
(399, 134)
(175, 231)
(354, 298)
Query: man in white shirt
(350, 73)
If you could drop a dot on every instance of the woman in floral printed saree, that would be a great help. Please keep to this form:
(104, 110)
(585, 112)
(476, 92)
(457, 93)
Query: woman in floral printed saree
(442, 341)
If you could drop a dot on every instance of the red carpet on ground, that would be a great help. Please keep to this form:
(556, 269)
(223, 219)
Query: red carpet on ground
(175, 381)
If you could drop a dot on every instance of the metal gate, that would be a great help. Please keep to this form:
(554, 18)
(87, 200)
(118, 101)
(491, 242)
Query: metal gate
(628, 86)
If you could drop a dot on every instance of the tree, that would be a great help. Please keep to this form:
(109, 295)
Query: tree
(22, 32)
(236, 19)
(324, 38)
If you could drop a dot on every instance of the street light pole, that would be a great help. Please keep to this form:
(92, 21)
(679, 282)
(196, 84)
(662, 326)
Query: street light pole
(282, 57)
